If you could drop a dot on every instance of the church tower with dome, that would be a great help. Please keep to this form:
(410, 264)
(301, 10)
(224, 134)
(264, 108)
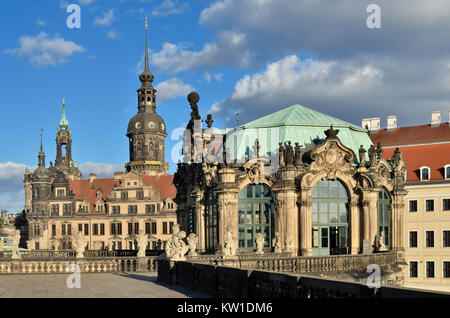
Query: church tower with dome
(147, 130)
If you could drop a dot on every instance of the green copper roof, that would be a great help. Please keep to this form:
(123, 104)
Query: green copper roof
(295, 123)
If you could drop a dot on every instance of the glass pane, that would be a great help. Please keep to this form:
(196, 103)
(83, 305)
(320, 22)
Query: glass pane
(266, 235)
(315, 191)
(257, 218)
(250, 191)
(315, 207)
(323, 192)
(257, 206)
(267, 192)
(333, 207)
(333, 218)
(333, 183)
(242, 194)
(324, 237)
(343, 217)
(342, 237)
(323, 218)
(342, 207)
(315, 217)
(323, 207)
(333, 192)
(258, 192)
(315, 237)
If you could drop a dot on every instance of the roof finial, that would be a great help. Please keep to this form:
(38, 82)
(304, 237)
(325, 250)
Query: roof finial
(41, 138)
(63, 123)
(146, 46)
(146, 26)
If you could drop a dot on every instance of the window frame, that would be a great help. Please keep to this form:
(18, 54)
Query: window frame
(447, 175)
(442, 204)
(421, 173)
(445, 230)
(426, 239)
(426, 269)
(417, 239)
(417, 269)
(409, 206)
(425, 205)
(443, 268)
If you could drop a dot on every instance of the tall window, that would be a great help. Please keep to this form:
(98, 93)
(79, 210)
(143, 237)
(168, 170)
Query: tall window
(67, 209)
(255, 215)
(132, 209)
(429, 238)
(53, 229)
(113, 229)
(424, 173)
(55, 209)
(164, 227)
(413, 270)
(429, 205)
(413, 239)
(430, 269)
(154, 228)
(211, 220)
(445, 238)
(445, 204)
(95, 230)
(330, 218)
(412, 205)
(447, 171)
(147, 227)
(446, 269)
(384, 215)
(102, 229)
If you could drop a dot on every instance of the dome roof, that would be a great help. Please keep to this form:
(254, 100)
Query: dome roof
(41, 173)
(146, 123)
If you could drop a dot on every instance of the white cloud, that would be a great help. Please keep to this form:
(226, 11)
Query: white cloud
(113, 35)
(41, 22)
(12, 194)
(102, 170)
(106, 19)
(215, 108)
(207, 77)
(168, 7)
(85, 2)
(229, 49)
(172, 88)
(218, 77)
(43, 51)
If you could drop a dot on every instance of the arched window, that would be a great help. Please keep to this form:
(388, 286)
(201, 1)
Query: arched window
(211, 220)
(255, 215)
(330, 218)
(447, 171)
(425, 173)
(384, 216)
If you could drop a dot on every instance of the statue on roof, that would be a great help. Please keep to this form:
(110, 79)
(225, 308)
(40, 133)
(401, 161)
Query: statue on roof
(362, 157)
(281, 155)
(289, 153)
(372, 156)
(297, 156)
(379, 151)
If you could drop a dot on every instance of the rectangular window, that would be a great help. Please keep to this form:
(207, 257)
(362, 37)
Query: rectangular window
(55, 209)
(60, 193)
(413, 239)
(95, 230)
(136, 228)
(446, 269)
(132, 209)
(429, 205)
(429, 238)
(140, 194)
(67, 209)
(154, 228)
(130, 228)
(124, 195)
(445, 238)
(86, 229)
(53, 229)
(119, 228)
(149, 208)
(80, 227)
(69, 229)
(430, 269)
(159, 207)
(413, 206)
(63, 229)
(164, 227)
(119, 245)
(446, 205)
(170, 227)
(413, 269)
(113, 229)
(315, 237)
(147, 228)
(102, 229)
(116, 209)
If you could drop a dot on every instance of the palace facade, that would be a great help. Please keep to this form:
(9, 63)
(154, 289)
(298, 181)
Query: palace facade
(426, 217)
(301, 178)
(110, 212)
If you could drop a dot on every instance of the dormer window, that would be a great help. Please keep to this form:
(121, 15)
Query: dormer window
(447, 171)
(424, 173)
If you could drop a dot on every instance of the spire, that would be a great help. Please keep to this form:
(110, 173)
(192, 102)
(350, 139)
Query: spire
(41, 155)
(146, 77)
(64, 123)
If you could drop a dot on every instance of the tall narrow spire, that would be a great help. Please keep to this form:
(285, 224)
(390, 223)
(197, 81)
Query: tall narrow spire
(41, 138)
(64, 123)
(146, 77)
(41, 155)
(146, 47)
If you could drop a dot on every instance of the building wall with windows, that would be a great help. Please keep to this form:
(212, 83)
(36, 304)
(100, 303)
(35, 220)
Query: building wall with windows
(426, 152)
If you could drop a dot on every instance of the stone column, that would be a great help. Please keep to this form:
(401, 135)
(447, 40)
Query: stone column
(398, 206)
(355, 223)
(365, 220)
(305, 225)
(373, 215)
(227, 197)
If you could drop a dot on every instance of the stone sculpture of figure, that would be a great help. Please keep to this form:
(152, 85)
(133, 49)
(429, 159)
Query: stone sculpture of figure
(289, 153)
(176, 248)
(297, 156)
(229, 248)
(142, 241)
(259, 243)
(362, 157)
(372, 156)
(276, 242)
(281, 154)
(15, 244)
(397, 161)
(2, 245)
(381, 246)
(193, 99)
(379, 151)
(256, 148)
(80, 244)
(289, 246)
(209, 121)
(192, 240)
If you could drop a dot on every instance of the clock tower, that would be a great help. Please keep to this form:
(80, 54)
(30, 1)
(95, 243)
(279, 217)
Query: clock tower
(147, 130)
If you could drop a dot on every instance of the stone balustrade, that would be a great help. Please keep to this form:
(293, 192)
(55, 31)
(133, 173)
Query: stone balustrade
(231, 282)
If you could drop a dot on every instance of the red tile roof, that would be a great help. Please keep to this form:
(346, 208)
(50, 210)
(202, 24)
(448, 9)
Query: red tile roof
(433, 156)
(412, 135)
(163, 184)
(84, 190)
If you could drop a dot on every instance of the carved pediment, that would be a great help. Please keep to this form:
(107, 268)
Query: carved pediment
(331, 156)
(253, 170)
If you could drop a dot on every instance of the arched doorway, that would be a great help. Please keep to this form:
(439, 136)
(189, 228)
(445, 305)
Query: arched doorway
(211, 221)
(255, 215)
(330, 218)
(384, 216)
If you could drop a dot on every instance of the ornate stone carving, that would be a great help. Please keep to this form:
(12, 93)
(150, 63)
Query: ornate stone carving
(230, 243)
(372, 156)
(15, 238)
(276, 243)
(362, 157)
(79, 244)
(281, 155)
(176, 248)
(279, 203)
(297, 155)
(192, 240)
(259, 243)
(304, 203)
(209, 173)
(288, 153)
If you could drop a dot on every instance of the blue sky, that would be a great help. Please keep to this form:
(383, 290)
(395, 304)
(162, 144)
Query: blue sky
(248, 56)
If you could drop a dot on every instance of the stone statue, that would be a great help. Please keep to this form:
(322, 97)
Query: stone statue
(15, 245)
(379, 151)
(142, 240)
(259, 243)
(192, 240)
(229, 248)
(80, 244)
(397, 161)
(193, 99)
(362, 157)
(2, 245)
(381, 246)
(176, 248)
(289, 153)
(281, 154)
(289, 246)
(276, 242)
(297, 156)
(209, 121)
(372, 156)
